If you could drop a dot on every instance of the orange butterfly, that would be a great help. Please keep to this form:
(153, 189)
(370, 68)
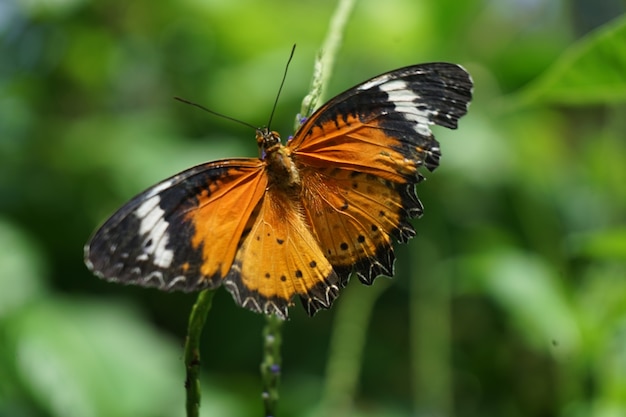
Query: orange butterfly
(302, 217)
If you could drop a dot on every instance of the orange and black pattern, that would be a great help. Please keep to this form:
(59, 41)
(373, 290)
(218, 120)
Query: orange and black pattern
(304, 216)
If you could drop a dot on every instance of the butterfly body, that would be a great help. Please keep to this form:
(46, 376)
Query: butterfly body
(280, 167)
(304, 216)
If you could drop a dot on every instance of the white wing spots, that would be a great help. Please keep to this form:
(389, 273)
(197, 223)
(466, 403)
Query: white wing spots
(154, 227)
(160, 187)
(149, 213)
(87, 260)
(373, 82)
(406, 102)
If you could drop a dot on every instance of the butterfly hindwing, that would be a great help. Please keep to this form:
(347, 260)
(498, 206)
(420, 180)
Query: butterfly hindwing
(354, 217)
(279, 258)
(183, 232)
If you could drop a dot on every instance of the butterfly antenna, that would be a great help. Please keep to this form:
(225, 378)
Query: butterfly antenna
(293, 49)
(223, 116)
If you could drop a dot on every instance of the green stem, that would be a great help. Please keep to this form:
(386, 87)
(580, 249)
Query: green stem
(270, 367)
(271, 364)
(326, 58)
(192, 350)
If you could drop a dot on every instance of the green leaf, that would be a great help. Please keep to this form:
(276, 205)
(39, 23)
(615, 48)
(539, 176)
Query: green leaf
(90, 359)
(592, 71)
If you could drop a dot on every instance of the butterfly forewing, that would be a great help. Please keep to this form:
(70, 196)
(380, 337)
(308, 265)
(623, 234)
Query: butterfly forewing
(382, 126)
(183, 232)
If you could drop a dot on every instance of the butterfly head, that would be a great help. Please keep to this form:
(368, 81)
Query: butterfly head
(268, 141)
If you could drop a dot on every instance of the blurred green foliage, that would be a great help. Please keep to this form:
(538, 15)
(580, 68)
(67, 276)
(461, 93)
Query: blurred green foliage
(511, 301)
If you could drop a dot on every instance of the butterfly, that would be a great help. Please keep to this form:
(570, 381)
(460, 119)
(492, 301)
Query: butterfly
(304, 216)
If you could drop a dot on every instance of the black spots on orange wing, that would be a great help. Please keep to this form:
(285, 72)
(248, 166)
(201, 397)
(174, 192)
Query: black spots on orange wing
(252, 299)
(368, 268)
(409, 207)
(319, 296)
(359, 238)
(268, 273)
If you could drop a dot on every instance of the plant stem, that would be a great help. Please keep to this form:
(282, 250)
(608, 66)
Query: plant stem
(270, 367)
(192, 350)
(326, 58)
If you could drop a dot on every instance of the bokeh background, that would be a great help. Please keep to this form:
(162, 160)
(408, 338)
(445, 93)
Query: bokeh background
(510, 302)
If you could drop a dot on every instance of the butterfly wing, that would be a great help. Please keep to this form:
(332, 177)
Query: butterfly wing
(182, 233)
(279, 258)
(359, 157)
(354, 217)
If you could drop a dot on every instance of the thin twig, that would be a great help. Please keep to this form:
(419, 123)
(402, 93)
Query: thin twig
(192, 350)
(326, 59)
(270, 367)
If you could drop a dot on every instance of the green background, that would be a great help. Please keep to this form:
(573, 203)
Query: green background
(510, 302)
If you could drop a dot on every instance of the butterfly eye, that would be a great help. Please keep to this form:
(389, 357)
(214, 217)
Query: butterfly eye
(261, 134)
(274, 138)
